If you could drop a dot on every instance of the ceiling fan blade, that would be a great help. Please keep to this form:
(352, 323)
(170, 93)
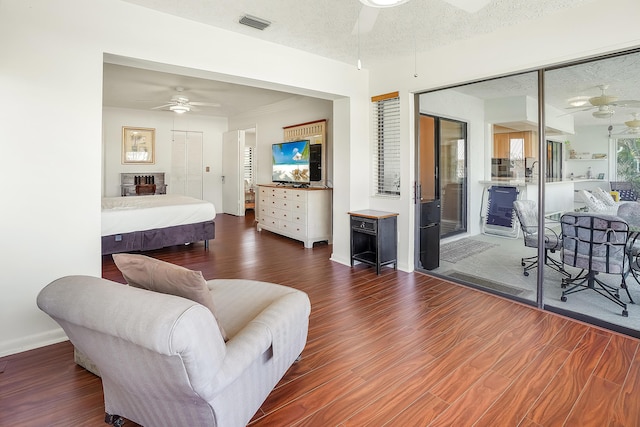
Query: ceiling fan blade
(204, 104)
(581, 108)
(161, 106)
(366, 20)
(627, 103)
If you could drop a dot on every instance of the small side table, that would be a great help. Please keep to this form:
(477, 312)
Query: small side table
(374, 238)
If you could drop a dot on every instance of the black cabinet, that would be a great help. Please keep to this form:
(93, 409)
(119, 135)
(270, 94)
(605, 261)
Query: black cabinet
(374, 238)
(430, 234)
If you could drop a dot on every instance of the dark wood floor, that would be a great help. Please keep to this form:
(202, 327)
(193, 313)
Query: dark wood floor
(397, 349)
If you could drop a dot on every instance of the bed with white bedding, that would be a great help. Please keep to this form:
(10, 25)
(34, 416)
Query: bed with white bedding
(152, 222)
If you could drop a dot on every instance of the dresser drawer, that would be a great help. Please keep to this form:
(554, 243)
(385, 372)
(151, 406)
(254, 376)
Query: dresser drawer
(282, 214)
(275, 212)
(298, 217)
(282, 204)
(298, 206)
(278, 193)
(270, 221)
(293, 228)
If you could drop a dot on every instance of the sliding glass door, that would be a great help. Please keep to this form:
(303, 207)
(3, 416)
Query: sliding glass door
(478, 173)
(512, 164)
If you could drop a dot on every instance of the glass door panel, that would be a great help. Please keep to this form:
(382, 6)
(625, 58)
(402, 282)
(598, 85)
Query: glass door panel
(597, 98)
(453, 165)
(481, 171)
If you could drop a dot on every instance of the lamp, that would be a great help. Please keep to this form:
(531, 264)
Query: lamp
(383, 3)
(179, 108)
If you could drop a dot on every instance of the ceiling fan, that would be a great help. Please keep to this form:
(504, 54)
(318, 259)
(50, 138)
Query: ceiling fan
(632, 127)
(603, 104)
(180, 104)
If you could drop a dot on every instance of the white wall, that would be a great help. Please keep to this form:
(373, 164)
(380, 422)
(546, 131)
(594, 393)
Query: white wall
(589, 139)
(164, 122)
(51, 133)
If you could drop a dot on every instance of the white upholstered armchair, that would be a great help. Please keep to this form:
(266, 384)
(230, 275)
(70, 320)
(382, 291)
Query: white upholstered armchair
(163, 360)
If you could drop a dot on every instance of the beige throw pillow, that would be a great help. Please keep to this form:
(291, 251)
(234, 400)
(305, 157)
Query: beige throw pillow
(149, 273)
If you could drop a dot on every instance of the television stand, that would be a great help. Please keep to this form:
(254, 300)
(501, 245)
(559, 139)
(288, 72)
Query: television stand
(300, 185)
(299, 213)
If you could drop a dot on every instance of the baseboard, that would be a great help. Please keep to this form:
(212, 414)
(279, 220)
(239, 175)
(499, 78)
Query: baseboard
(30, 342)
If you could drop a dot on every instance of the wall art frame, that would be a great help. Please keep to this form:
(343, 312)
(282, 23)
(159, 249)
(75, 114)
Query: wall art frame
(138, 145)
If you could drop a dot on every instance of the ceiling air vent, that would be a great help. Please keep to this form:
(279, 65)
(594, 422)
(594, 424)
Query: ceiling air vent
(254, 22)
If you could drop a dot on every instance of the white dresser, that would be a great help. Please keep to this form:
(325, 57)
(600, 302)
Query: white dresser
(299, 213)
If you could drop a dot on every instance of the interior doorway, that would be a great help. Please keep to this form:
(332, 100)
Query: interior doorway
(238, 171)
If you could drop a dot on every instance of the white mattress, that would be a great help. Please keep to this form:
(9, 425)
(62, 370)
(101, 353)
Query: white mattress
(137, 213)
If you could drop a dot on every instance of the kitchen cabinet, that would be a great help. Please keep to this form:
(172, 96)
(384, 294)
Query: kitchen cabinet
(502, 144)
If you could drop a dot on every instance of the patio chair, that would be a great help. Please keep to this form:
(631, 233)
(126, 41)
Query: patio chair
(527, 213)
(596, 243)
(630, 212)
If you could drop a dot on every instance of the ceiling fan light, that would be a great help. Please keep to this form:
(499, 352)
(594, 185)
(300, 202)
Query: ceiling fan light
(180, 109)
(603, 114)
(383, 3)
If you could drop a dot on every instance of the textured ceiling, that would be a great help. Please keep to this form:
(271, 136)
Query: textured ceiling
(329, 28)
(137, 88)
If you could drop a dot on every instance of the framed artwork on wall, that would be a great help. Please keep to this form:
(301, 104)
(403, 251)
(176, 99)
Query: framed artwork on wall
(138, 145)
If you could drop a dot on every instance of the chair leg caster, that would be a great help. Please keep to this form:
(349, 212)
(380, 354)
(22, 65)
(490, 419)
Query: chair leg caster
(526, 273)
(625, 313)
(114, 420)
(563, 298)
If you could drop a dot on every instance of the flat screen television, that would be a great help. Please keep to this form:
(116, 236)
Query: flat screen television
(290, 162)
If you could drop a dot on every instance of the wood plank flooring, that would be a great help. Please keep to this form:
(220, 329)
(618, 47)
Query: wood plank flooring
(397, 349)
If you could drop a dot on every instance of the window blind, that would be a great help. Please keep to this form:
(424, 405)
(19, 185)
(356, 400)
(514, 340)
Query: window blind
(386, 144)
(248, 167)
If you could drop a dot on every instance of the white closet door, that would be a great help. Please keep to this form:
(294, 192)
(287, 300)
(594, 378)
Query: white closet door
(186, 164)
(178, 182)
(194, 165)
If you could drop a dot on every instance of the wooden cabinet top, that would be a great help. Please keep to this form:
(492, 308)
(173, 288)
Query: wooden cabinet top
(290, 187)
(373, 214)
